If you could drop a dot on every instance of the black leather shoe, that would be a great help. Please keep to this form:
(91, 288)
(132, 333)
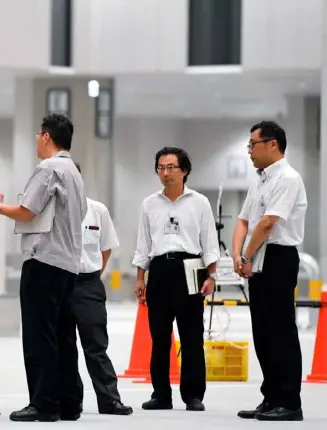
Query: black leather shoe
(280, 414)
(195, 405)
(29, 413)
(154, 404)
(70, 417)
(115, 408)
(263, 407)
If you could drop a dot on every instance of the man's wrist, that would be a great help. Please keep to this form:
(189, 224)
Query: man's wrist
(213, 276)
(246, 260)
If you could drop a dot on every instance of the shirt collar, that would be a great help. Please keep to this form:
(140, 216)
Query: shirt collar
(62, 154)
(185, 192)
(271, 170)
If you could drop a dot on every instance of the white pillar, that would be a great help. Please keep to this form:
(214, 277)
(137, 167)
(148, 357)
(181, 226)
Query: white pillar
(24, 144)
(295, 133)
(323, 152)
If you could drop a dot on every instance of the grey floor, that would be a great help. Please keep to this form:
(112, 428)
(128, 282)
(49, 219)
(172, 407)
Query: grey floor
(222, 400)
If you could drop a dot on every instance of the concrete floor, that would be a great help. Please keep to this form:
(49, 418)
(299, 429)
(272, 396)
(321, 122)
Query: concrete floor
(222, 400)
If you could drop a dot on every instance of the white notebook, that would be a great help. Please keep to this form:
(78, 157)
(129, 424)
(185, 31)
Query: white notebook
(191, 267)
(40, 223)
(259, 256)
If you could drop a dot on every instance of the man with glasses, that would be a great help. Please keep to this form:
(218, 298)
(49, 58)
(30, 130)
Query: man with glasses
(52, 254)
(273, 216)
(176, 223)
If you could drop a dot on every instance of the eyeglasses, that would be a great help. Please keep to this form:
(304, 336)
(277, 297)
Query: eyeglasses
(170, 168)
(252, 144)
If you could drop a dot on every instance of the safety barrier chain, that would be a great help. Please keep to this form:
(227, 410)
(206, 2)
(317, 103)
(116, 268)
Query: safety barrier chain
(243, 302)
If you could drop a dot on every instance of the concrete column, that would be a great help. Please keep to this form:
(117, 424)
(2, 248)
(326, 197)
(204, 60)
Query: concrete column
(5, 179)
(24, 144)
(295, 133)
(323, 153)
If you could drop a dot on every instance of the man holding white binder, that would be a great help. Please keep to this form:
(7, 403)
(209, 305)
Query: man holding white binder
(273, 217)
(176, 225)
(49, 216)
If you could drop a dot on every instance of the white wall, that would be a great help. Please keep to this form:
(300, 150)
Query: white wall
(211, 145)
(6, 128)
(312, 175)
(25, 34)
(279, 34)
(130, 36)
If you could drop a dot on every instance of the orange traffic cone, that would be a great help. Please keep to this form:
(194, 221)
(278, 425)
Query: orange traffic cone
(139, 364)
(319, 363)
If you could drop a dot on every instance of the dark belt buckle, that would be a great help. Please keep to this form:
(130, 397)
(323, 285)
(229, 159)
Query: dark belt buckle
(170, 256)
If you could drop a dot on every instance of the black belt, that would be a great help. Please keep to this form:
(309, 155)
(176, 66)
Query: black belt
(89, 275)
(277, 245)
(175, 256)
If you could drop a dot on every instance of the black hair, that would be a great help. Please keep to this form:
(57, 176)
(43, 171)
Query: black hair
(270, 130)
(60, 130)
(184, 160)
(78, 167)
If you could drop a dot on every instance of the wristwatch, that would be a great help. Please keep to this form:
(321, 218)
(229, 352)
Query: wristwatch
(246, 260)
(213, 276)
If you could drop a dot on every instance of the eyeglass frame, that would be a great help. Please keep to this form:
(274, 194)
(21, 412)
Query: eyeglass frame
(250, 145)
(170, 168)
(40, 133)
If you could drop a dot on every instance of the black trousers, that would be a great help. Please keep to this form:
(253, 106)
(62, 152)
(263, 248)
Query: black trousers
(49, 345)
(274, 326)
(89, 309)
(167, 299)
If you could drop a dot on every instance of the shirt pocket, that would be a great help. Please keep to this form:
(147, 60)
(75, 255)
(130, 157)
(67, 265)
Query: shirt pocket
(91, 236)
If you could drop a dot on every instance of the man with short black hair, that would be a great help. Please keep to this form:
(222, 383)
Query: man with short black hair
(176, 224)
(89, 307)
(51, 263)
(273, 218)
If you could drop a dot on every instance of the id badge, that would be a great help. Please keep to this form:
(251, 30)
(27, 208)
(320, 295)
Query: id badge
(171, 228)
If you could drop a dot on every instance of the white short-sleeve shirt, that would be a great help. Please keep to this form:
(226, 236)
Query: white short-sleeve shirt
(278, 191)
(98, 235)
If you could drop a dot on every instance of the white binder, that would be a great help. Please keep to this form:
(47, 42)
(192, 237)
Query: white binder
(191, 266)
(259, 256)
(41, 222)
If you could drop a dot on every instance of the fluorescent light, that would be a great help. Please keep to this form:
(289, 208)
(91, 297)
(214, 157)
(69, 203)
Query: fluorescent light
(93, 88)
(214, 70)
(58, 70)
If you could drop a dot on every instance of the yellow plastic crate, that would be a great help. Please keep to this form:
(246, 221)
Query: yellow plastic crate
(225, 360)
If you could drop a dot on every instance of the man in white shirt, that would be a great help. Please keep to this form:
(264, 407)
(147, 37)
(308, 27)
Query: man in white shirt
(176, 223)
(273, 216)
(89, 306)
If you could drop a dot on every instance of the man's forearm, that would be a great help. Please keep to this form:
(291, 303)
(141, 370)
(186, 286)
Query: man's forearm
(16, 212)
(259, 235)
(105, 258)
(212, 268)
(140, 274)
(240, 232)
